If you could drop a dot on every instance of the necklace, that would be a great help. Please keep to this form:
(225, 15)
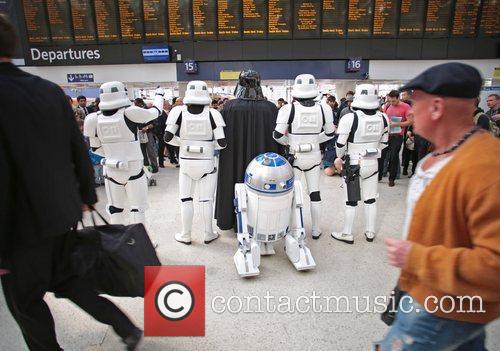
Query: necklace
(458, 143)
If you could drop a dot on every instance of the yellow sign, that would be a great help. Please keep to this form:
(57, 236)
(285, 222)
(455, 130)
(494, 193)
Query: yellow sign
(496, 72)
(229, 75)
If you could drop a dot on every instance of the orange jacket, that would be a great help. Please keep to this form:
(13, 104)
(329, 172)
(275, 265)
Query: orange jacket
(455, 229)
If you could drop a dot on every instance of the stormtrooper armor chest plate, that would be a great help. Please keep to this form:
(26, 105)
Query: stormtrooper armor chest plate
(307, 120)
(368, 133)
(113, 129)
(196, 136)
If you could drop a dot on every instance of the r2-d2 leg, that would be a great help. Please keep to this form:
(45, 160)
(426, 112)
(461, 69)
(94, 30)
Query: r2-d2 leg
(247, 258)
(297, 251)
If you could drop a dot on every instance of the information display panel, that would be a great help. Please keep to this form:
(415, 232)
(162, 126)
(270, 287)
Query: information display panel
(36, 22)
(334, 18)
(154, 19)
(59, 21)
(83, 22)
(204, 19)
(106, 17)
(179, 20)
(411, 19)
(465, 18)
(131, 20)
(279, 19)
(359, 18)
(490, 20)
(229, 19)
(438, 18)
(385, 18)
(307, 15)
(254, 19)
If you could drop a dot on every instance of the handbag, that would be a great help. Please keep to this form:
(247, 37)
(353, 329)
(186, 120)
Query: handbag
(389, 315)
(112, 257)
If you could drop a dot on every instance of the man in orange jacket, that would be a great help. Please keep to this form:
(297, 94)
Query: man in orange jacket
(450, 260)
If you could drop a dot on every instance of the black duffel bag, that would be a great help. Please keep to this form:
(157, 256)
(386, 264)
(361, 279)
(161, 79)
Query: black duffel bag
(112, 257)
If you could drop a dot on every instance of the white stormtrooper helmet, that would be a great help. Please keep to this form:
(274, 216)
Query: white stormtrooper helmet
(366, 97)
(197, 93)
(113, 95)
(305, 87)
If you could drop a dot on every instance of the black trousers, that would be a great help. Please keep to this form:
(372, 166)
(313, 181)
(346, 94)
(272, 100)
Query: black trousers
(391, 151)
(410, 155)
(38, 269)
(173, 153)
(161, 150)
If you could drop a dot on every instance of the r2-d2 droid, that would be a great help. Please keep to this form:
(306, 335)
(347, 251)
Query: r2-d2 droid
(201, 133)
(362, 136)
(303, 125)
(269, 208)
(113, 134)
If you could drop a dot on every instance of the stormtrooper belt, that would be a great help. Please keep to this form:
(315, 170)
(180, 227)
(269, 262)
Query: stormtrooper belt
(137, 176)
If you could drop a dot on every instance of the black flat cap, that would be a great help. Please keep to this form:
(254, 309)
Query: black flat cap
(448, 79)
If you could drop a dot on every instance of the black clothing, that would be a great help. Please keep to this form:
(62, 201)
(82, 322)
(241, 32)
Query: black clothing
(45, 267)
(483, 121)
(249, 132)
(46, 170)
(391, 151)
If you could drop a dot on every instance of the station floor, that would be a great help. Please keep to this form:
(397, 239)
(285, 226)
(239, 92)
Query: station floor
(342, 270)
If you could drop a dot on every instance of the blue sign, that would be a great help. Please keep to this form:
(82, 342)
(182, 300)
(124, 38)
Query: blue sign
(190, 67)
(80, 77)
(156, 53)
(353, 64)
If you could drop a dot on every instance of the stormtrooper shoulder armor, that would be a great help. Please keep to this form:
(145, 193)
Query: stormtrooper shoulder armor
(217, 118)
(174, 115)
(345, 124)
(90, 130)
(140, 115)
(284, 114)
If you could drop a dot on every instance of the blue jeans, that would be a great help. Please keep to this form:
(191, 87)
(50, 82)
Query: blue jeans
(415, 329)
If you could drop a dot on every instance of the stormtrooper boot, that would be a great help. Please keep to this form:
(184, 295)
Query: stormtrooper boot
(346, 234)
(187, 222)
(315, 218)
(371, 215)
(207, 210)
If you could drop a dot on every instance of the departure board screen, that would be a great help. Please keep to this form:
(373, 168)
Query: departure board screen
(106, 15)
(334, 18)
(229, 19)
(384, 18)
(131, 20)
(254, 19)
(307, 19)
(36, 21)
(490, 20)
(438, 18)
(279, 19)
(179, 19)
(59, 21)
(465, 18)
(360, 14)
(204, 19)
(411, 18)
(83, 21)
(154, 19)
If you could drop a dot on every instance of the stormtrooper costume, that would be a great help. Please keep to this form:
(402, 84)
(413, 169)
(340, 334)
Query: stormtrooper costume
(303, 125)
(201, 133)
(269, 208)
(113, 134)
(361, 137)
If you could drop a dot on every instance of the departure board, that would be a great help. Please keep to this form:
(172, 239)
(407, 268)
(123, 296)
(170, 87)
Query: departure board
(334, 18)
(384, 18)
(131, 20)
(359, 18)
(254, 19)
(106, 16)
(465, 18)
(59, 21)
(411, 18)
(307, 19)
(83, 21)
(229, 19)
(438, 18)
(279, 19)
(490, 21)
(154, 19)
(204, 19)
(36, 21)
(179, 19)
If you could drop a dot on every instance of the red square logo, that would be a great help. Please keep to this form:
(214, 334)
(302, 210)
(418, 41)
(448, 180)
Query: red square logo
(174, 301)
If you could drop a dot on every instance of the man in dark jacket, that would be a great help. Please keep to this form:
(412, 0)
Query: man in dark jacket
(47, 180)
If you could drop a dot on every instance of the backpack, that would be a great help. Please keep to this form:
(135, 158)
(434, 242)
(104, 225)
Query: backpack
(494, 129)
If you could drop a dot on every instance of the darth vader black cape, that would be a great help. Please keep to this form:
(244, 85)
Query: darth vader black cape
(249, 132)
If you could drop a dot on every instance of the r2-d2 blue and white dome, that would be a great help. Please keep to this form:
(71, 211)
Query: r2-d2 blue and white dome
(269, 174)
(269, 208)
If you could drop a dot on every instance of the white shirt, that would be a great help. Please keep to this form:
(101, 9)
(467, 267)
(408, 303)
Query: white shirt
(420, 180)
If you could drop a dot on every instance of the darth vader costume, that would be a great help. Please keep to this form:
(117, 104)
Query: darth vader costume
(250, 120)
